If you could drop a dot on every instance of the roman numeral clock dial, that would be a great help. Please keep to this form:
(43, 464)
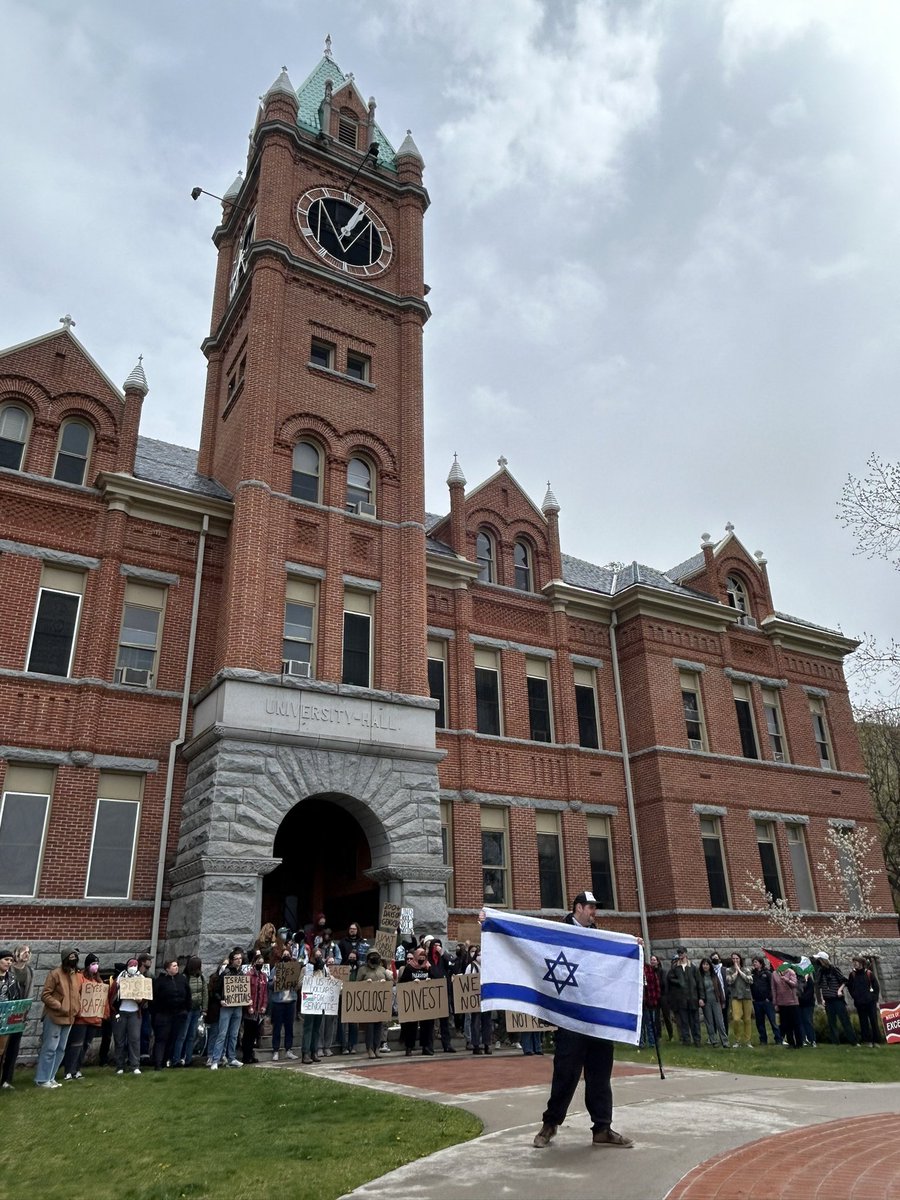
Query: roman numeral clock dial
(344, 232)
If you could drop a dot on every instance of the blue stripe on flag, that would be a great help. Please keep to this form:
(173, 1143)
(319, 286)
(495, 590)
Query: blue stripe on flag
(561, 935)
(611, 1017)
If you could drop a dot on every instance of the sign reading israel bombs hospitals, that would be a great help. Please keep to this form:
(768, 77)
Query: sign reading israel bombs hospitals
(236, 991)
(891, 1020)
(365, 1003)
(467, 993)
(422, 1000)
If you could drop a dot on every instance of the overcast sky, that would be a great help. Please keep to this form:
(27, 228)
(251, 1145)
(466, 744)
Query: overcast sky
(663, 246)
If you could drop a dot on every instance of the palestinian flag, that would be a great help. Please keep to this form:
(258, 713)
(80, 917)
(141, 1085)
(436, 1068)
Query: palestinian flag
(798, 963)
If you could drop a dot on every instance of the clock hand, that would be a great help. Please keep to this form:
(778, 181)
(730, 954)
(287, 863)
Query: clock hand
(354, 220)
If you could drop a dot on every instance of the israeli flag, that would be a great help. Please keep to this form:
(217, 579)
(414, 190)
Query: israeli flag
(587, 980)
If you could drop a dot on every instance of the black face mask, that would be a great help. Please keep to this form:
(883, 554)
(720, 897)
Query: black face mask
(71, 964)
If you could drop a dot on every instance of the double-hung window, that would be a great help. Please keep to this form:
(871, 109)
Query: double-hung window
(820, 732)
(494, 857)
(56, 618)
(142, 613)
(600, 852)
(550, 860)
(24, 809)
(714, 857)
(15, 422)
(796, 840)
(357, 665)
(692, 704)
(298, 645)
(743, 707)
(447, 845)
(115, 836)
(488, 708)
(73, 452)
(586, 709)
(540, 715)
(437, 679)
(774, 724)
(768, 859)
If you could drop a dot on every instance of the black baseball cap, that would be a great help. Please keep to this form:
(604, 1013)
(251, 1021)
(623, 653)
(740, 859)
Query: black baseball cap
(584, 898)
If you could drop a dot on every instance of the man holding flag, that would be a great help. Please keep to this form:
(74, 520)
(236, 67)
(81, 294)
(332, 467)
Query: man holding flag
(587, 982)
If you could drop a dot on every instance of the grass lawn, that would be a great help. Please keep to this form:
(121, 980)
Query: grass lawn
(849, 1064)
(232, 1134)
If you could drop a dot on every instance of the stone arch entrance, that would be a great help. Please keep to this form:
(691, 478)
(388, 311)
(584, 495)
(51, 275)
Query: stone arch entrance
(324, 857)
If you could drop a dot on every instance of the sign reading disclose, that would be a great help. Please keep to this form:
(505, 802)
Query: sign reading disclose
(365, 1003)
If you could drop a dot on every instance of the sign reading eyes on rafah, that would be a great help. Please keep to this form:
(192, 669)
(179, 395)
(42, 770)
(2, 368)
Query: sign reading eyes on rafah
(236, 991)
(517, 1022)
(286, 976)
(422, 1000)
(136, 987)
(467, 993)
(385, 943)
(390, 916)
(93, 1000)
(367, 1002)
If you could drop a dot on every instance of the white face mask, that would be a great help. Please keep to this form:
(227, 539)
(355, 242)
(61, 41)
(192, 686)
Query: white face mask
(132, 970)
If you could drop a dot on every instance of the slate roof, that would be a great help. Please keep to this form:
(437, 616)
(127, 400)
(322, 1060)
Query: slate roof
(174, 466)
(808, 624)
(310, 95)
(688, 567)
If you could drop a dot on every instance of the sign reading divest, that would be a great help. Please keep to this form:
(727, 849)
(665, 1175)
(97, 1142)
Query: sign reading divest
(235, 990)
(365, 1003)
(286, 976)
(422, 1000)
(136, 987)
(517, 1022)
(390, 916)
(93, 1000)
(891, 1020)
(385, 943)
(467, 993)
(12, 1015)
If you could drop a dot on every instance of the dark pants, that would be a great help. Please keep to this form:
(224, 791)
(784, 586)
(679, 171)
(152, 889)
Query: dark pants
(373, 1035)
(283, 1013)
(127, 1032)
(666, 1013)
(9, 1058)
(807, 1028)
(481, 1029)
(426, 1034)
(688, 1025)
(76, 1046)
(165, 1031)
(249, 1039)
(576, 1052)
(445, 1033)
(763, 1010)
(185, 1034)
(312, 1023)
(789, 1019)
(836, 1010)
(146, 1030)
(868, 1022)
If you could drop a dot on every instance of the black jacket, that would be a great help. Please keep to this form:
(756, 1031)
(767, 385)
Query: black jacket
(171, 993)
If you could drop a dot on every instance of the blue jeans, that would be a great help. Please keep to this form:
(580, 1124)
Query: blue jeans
(53, 1047)
(185, 1035)
(763, 1010)
(807, 1028)
(227, 1034)
(532, 1043)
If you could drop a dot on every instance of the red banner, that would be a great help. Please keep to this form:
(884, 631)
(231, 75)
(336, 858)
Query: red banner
(891, 1019)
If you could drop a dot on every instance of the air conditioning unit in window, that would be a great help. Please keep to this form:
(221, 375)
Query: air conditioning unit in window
(778, 756)
(351, 506)
(695, 743)
(293, 666)
(748, 622)
(133, 677)
(365, 509)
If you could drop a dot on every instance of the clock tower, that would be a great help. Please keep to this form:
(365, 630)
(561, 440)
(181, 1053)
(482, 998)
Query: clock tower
(313, 420)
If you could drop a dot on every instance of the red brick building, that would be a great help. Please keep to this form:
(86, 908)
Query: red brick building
(259, 680)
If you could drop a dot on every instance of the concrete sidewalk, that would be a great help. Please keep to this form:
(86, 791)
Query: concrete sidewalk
(677, 1124)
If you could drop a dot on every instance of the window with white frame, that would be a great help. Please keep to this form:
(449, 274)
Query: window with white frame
(306, 472)
(360, 487)
(774, 724)
(820, 732)
(321, 354)
(73, 452)
(115, 836)
(447, 845)
(437, 679)
(298, 645)
(692, 704)
(495, 857)
(743, 707)
(357, 658)
(24, 810)
(768, 859)
(359, 366)
(550, 860)
(737, 597)
(586, 708)
(540, 709)
(714, 857)
(15, 423)
(524, 575)
(796, 839)
(139, 637)
(488, 706)
(55, 628)
(485, 557)
(603, 883)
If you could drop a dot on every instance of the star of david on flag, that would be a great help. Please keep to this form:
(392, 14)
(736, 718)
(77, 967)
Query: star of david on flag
(587, 980)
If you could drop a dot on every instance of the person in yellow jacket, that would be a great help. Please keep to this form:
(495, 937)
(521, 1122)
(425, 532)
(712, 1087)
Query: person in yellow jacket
(61, 996)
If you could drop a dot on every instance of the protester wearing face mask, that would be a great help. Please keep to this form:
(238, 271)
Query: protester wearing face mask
(24, 977)
(85, 1026)
(127, 1024)
(61, 996)
(284, 1005)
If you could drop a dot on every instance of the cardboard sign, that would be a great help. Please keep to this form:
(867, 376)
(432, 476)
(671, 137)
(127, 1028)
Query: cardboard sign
(341, 972)
(365, 1003)
(93, 1000)
(320, 994)
(406, 921)
(286, 975)
(236, 990)
(390, 916)
(891, 1020)
(12, 1015)
(422, 1000)
(469, 931)
(517, 1022)
(135, 987)
(385, 943)
(467, 993)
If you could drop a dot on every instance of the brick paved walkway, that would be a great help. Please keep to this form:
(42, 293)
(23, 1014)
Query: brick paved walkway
(453, 1074)
(854, 1159)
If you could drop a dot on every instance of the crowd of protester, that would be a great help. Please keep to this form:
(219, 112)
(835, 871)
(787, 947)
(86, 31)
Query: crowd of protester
(723, 999)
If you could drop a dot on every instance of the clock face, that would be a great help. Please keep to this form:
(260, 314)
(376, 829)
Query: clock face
(241, 254)
(344, 232)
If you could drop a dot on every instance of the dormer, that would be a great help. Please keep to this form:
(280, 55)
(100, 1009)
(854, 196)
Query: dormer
(727, 570)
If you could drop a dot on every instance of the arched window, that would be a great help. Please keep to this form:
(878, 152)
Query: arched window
(306, 473)
(484, 554)
(73, 452)
(360, 487)
(522, 561)
(737, 594)
(14, 424)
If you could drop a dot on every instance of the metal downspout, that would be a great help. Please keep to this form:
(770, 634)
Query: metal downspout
(629, 790)
(179, 741)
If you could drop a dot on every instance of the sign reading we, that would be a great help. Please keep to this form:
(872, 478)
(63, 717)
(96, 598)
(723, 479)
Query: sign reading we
(390, 916)
(236, 990)
(517, 1022)
(467, 993)
(422, 1000)
(365, 1003)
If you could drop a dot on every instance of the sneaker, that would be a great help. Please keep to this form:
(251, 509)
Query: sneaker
(120, 1071)
(328, 1053)
(136, 1071)
(291, 1055)
(78, 1075)
(69, 1077)
(7, 1087)
(384, 1048)
(609, 1137)
(274, 1056)
(449, 1049)
(544, 1136)
(214, 1066)
(749, 1045)
(235, 1062)
(307, 1060)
